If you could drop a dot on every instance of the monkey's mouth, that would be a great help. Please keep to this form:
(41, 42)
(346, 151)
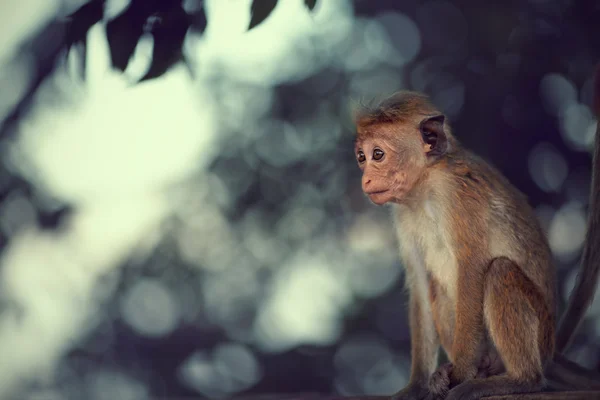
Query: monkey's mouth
(376, 192)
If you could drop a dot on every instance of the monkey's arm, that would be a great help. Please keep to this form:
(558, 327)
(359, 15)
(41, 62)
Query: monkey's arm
(424, 340)
(469, 328)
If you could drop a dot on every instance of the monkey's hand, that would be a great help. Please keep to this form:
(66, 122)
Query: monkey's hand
(439, 382)
(413, 391)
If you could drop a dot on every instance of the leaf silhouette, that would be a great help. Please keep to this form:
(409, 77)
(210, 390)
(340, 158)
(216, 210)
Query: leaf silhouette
(310, 4)
(123, 34)
(260, 10)
(168, 35)
(199, 20)
(80, 22)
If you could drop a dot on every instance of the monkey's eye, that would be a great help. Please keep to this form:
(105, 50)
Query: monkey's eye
(378, 154)
(360, 156)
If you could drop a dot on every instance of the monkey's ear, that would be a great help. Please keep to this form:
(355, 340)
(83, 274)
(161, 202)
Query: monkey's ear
(432, 131)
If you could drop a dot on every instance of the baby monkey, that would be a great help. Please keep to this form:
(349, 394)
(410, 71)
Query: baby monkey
(478, 265)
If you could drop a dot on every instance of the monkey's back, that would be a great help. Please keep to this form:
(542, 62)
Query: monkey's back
(512, 228)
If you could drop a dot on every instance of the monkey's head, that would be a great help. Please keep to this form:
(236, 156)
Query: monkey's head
(397, 141)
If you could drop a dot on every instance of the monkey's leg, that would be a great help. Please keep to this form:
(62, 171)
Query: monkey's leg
(521, 328)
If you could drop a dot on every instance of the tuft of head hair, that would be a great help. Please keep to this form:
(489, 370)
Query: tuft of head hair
(596, 103)
(399, 107)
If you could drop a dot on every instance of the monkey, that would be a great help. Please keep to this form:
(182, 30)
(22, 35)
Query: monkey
(478, 266)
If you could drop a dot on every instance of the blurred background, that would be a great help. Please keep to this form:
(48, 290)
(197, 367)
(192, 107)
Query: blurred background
(180, 209)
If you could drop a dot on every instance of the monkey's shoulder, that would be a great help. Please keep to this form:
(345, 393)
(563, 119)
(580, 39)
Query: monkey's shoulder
(505, 217)
(481, 180)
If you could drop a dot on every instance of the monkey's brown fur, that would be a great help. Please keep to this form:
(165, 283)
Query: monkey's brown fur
(478, 266)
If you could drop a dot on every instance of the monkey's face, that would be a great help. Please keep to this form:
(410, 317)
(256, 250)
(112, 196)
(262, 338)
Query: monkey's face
(391, 160)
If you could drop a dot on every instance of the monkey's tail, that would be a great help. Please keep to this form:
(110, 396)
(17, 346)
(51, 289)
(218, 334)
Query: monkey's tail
(587, 279)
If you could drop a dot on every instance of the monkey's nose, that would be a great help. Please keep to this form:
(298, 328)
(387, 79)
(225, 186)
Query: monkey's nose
(365, 183)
